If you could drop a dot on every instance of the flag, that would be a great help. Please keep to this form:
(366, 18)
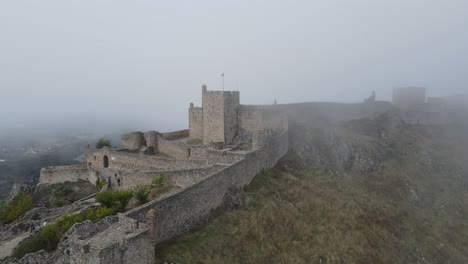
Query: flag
(222, 74)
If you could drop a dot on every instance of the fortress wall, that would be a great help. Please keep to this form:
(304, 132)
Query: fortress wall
(179, 150)
(195, 122)
(213, 116)
(180, 178)
(334, 112)
(176, 134)
(260, 120)
(225, 157)
(58, 174)
(231, 105)
(183, 209)
(125, 161)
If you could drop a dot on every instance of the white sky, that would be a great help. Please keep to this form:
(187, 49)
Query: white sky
(140, 63)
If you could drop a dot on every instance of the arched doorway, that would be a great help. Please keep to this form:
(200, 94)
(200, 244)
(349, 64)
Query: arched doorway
(105, 161)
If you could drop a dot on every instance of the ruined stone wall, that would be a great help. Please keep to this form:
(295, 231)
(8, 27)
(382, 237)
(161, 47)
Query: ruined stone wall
(124, 161)
(151, 140)
(213, 116)
(180, 211)
(58, 174)
(231, 106)
(179, 150)
(176, 134)
(196, 122)
(409, 97)
(179, 178)
(133, 140)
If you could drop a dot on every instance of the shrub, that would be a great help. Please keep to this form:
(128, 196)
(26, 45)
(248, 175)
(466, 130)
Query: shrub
(103, 142)
(159, 181)
(141, 194)
(97, 214)
(116, 200)
(59, 203)
(17, 207)
(48, 237)
(99, 183)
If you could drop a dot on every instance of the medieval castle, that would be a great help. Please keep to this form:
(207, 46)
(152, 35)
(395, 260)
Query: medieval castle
(226, 145)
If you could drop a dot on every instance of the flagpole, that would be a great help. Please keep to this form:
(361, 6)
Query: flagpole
(223, 81)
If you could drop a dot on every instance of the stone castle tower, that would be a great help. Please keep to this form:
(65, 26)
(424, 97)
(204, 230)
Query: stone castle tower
(217, 119)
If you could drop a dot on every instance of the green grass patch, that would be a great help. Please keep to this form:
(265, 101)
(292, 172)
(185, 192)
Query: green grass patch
(16, 208)
(194, 141)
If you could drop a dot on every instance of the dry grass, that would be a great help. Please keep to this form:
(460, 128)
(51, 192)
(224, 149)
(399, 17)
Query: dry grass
(303, 220)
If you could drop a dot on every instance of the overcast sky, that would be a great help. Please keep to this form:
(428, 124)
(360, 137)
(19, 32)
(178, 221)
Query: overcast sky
(140, 63)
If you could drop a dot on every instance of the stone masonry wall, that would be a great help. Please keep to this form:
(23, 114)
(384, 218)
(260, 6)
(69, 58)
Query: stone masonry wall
(179, 150)
(131, 161)
(231, 106)
(334, 112)
(213, 116)
(176, 134)
(58, 174)
(180, 211)
(196, 122)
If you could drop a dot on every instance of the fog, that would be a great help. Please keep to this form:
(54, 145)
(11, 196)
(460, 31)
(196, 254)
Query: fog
(101, 65)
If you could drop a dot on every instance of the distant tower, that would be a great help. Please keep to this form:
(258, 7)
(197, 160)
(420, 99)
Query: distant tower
(410, 98)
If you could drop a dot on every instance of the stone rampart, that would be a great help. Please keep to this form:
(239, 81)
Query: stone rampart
(334, 112)
(58, 174)
(183, 209)
(180, 150)
(179, 177)
(176, 134)
(120, 160)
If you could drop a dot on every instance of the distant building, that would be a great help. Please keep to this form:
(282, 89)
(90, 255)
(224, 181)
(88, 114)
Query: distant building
(409, 98)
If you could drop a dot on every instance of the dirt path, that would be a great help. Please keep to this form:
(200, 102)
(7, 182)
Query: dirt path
(6, 248)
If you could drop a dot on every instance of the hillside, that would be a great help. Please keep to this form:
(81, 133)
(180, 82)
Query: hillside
(365, 191)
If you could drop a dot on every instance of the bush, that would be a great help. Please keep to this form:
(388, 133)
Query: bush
(97, 214)
(16, 208)
(159, 181)
(116, 200)
(48, 237)
(99, 183)
(103, 142)
(141, 194)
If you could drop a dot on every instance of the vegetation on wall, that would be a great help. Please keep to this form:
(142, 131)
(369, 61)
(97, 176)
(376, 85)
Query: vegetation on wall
(194, 141)
(103, 142)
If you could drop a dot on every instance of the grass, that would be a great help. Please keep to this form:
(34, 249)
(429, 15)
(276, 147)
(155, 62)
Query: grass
(194, 141)
(16, 208)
